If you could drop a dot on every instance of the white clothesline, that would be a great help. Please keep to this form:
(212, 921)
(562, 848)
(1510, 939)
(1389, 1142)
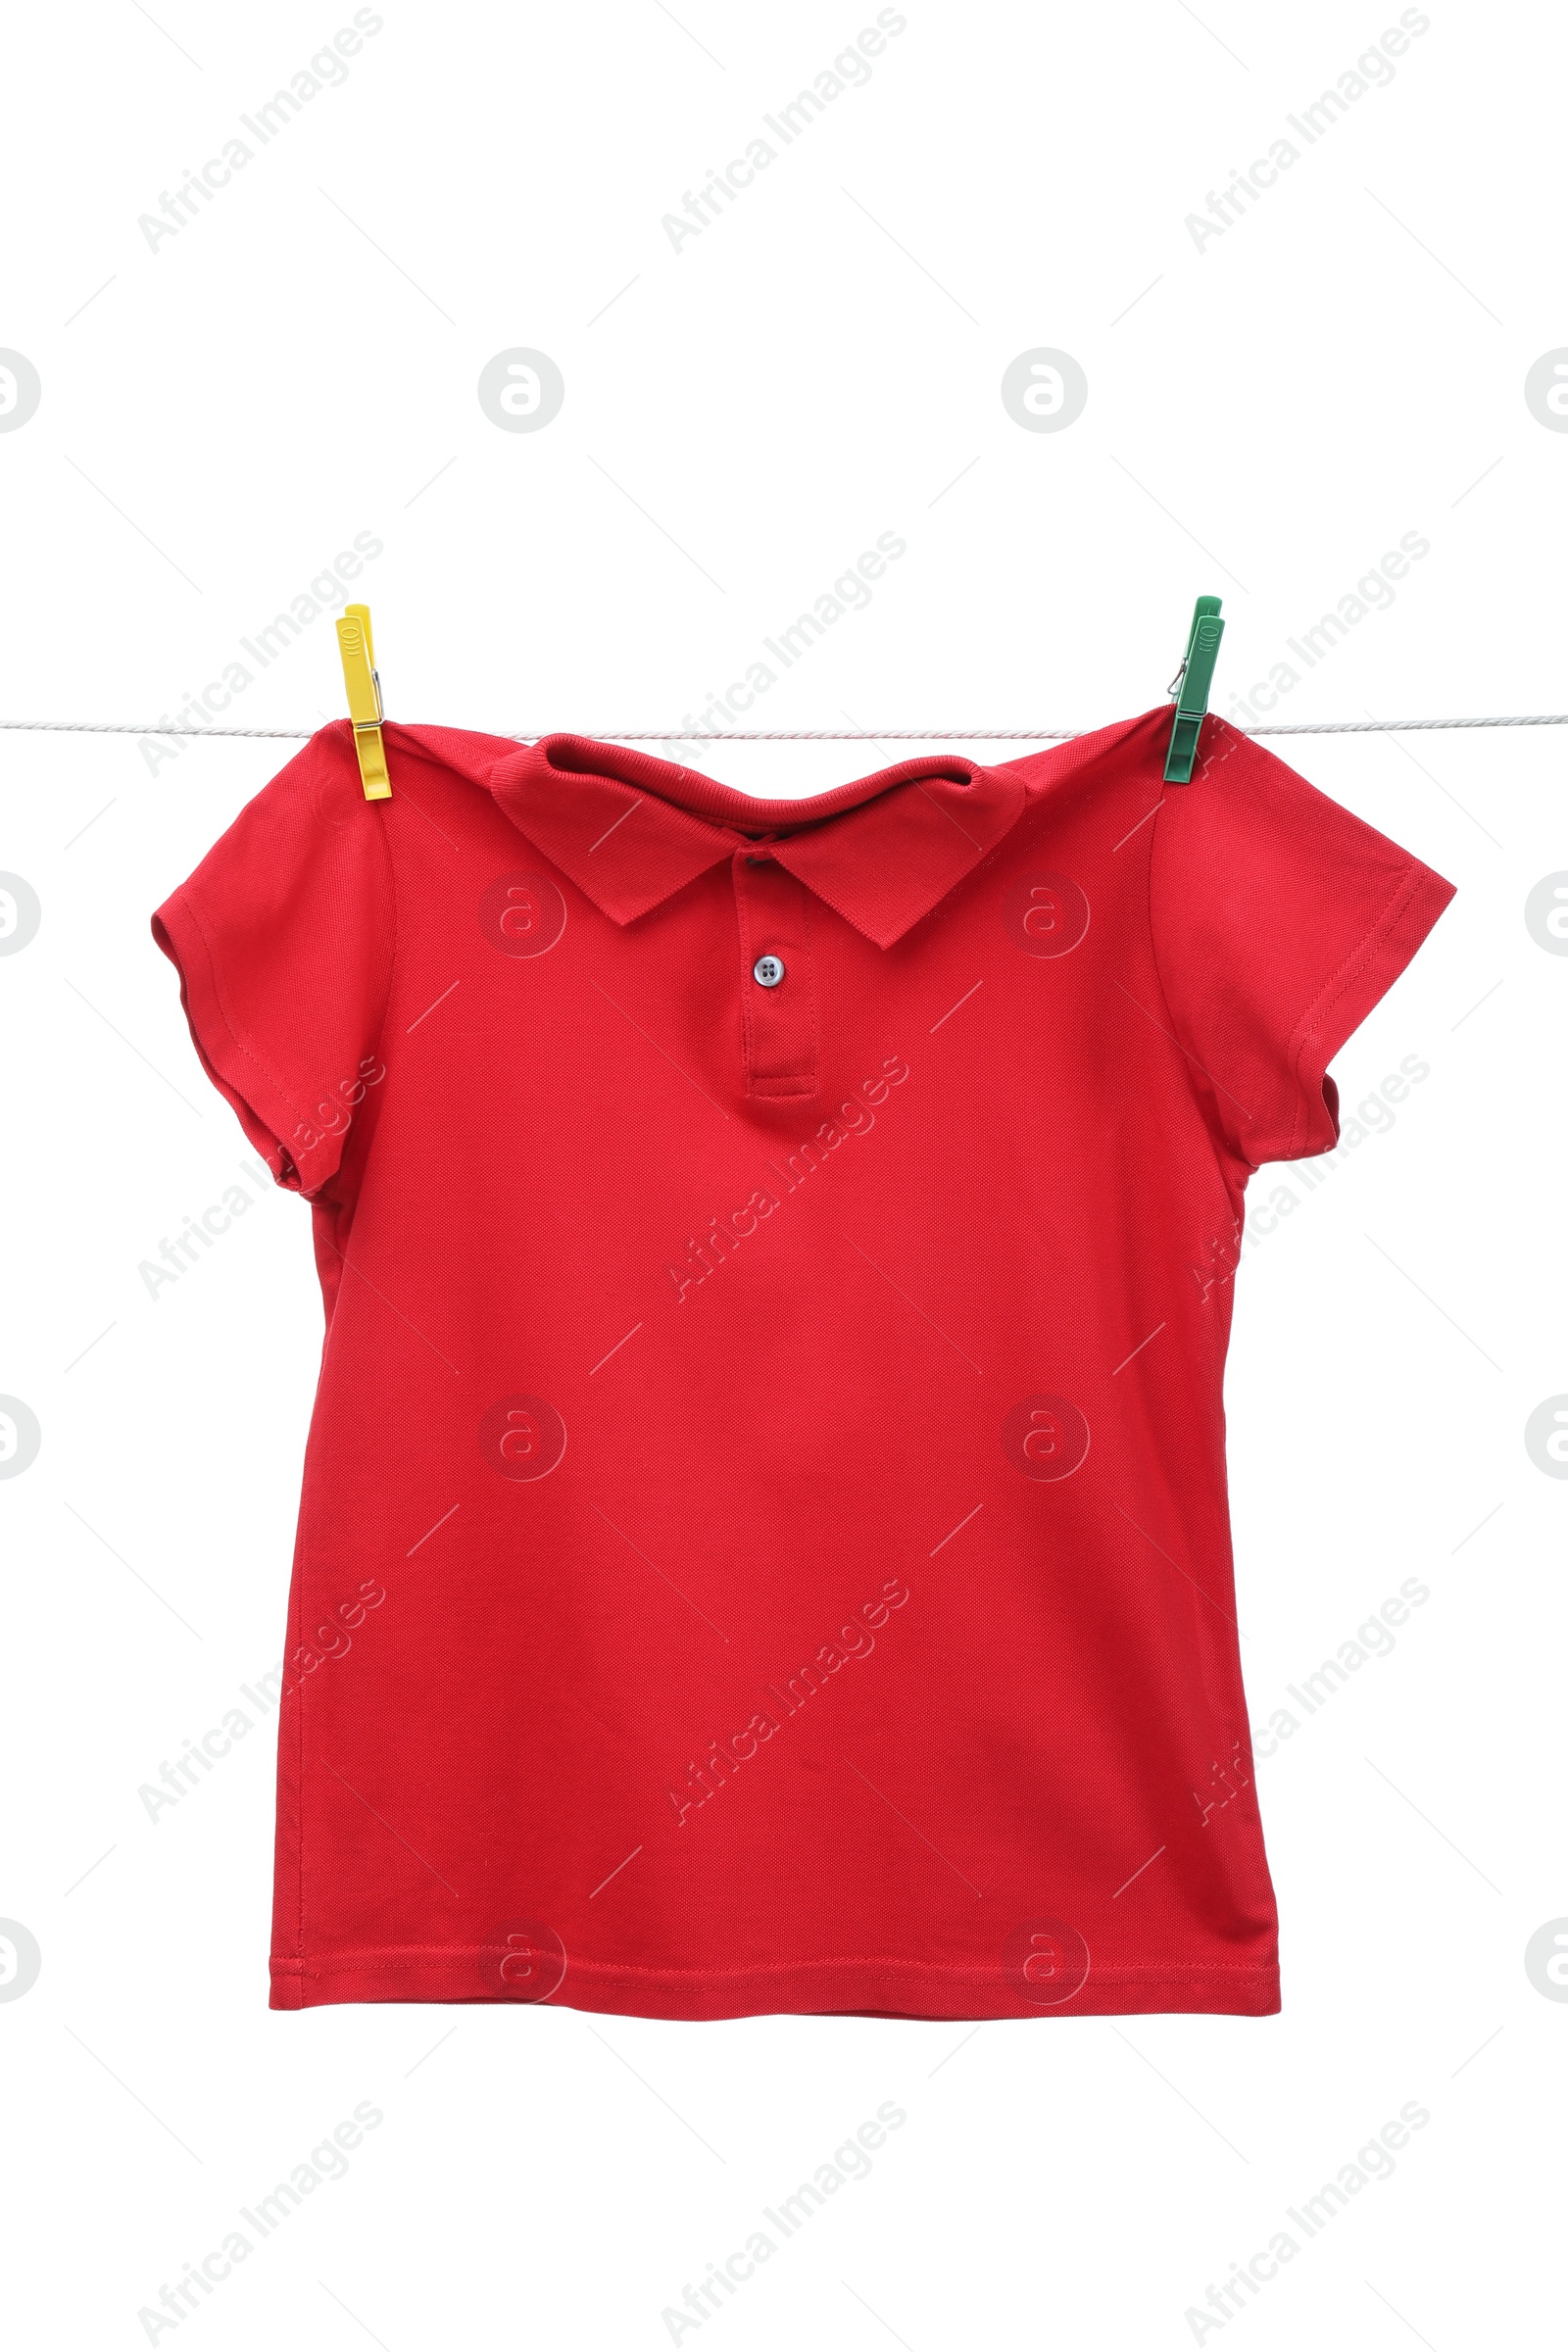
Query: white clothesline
(1318, 726)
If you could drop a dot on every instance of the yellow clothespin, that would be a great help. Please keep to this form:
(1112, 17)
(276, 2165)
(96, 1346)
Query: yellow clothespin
(354, 643)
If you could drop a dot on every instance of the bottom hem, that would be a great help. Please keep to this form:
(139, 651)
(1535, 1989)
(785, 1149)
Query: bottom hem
(814, 1987)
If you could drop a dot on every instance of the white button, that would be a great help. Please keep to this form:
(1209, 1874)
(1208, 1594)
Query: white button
(767, 971)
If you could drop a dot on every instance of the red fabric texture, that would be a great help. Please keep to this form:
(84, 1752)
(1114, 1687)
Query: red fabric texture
(783, 1424)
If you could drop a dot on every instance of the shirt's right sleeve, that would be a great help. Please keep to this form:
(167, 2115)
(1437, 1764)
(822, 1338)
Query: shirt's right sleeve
(1279, 921)
(283, 940)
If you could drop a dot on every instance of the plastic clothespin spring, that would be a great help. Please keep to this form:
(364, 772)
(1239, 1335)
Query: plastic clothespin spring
(357, 649)
(1194, 680)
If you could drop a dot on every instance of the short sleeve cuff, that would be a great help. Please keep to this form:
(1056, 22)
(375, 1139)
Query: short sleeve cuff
(1360, 983)
(301, 1157)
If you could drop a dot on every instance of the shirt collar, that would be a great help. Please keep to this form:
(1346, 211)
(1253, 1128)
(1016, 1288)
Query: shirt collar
(631, 830)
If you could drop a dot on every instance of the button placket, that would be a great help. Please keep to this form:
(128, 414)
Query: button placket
(779, 985)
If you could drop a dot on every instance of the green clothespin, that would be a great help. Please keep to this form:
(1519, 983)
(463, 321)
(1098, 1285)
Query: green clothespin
(1193, 679)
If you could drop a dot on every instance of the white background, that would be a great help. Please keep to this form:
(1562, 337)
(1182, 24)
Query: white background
(1266, 416)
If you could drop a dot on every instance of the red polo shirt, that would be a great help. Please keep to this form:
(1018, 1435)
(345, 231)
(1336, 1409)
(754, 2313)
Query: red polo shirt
(764, 1542)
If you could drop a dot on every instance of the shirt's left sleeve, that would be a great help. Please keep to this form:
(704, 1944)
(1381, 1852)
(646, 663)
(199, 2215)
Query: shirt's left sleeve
(283, 940)
(1279, 921)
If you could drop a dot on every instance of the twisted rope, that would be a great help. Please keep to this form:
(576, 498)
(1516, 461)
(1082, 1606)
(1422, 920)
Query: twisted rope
(1319, 726)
